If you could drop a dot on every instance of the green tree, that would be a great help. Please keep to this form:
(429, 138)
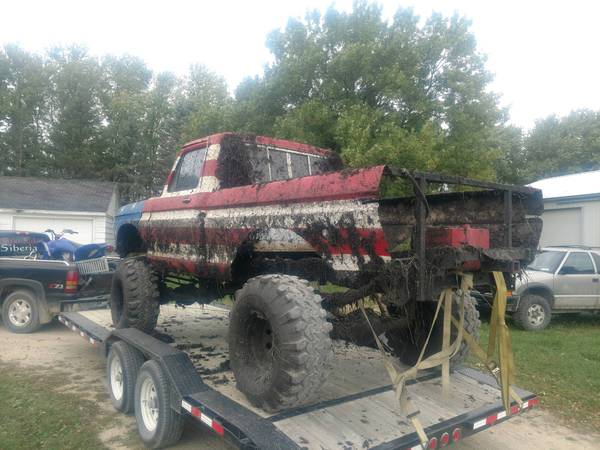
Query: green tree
(561, 145)
(23, 106)
(380, 92)
(206, 104)
(76, 119)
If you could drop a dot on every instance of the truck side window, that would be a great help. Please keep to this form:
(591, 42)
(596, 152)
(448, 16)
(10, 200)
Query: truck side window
(279, 168)
(577, 263)
(299, 165)
(188, 171)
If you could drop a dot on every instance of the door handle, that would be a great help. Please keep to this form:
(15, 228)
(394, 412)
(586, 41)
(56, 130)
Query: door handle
(186, 200)
(595, 280)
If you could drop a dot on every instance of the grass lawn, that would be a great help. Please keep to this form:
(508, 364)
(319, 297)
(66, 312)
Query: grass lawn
(562, 365)
(33, 415)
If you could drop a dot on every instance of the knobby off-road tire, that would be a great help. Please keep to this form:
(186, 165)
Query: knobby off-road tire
(534, 313)
(122, 368)
(20, 312)
(279, 341)
(158, 424)
(407, 345)
(134, 299)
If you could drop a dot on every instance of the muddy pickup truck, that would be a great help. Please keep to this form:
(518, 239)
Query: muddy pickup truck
(279, 222)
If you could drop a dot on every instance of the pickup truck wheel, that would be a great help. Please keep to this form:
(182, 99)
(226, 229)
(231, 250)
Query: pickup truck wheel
(533, 314)
(134, 299)
(158, 424)
(408, 344)
(279, 341)
(122, 367)
(20, 312)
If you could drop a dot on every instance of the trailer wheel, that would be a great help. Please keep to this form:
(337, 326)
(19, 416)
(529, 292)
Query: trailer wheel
(279, 343)
(20, 312)
(158, 424)
(134, 299)
(122, 367)
(407, 345)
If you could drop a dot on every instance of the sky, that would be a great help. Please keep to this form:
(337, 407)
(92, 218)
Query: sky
(544, 54)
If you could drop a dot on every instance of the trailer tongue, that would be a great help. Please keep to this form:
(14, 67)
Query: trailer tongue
(356, 407)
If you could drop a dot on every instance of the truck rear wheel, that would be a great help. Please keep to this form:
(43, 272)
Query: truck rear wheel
(134, 299)
(20, 312)
(407, 345)
(122, 367)
(279, 344)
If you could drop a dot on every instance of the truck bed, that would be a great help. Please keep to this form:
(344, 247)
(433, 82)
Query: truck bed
(356, 407)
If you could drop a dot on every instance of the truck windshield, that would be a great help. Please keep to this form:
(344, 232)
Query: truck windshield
(547, 261)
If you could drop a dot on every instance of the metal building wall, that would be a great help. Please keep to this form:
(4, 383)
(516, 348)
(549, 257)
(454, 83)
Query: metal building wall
(571, 221)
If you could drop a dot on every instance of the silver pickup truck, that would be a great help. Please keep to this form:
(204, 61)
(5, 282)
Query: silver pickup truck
(559, 280)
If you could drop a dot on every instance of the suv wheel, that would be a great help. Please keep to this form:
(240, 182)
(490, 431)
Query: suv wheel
(534, 313)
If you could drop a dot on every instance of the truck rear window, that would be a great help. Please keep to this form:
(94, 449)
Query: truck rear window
(270, 164)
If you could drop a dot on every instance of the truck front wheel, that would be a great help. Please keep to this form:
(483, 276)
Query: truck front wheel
(279, 343)
(134, 299)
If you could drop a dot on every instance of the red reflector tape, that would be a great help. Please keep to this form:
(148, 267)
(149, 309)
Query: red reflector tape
(490, 420)
(207, 420)
(218, 428)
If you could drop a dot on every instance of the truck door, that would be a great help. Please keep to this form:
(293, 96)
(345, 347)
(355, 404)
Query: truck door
(173, 227)
(576, 284)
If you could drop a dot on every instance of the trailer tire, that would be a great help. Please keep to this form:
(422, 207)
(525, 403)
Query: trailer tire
(279, 341)
(20, 312)
(158, 424)
(407, 348)
(122, 368)
(534, 313)
(134, 298)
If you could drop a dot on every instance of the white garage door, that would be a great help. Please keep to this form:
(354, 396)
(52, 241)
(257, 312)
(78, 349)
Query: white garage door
(84, 227)
(562, 227)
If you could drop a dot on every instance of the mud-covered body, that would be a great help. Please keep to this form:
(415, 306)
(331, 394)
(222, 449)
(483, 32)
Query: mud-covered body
(218, 226)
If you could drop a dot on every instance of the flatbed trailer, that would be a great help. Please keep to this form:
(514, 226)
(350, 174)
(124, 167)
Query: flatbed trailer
(356, 407)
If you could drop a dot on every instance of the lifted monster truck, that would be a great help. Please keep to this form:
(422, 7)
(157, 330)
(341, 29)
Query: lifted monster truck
(265, 218)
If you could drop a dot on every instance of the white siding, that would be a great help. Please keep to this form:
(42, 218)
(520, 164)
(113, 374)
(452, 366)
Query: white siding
(567, 221)
(5, 221)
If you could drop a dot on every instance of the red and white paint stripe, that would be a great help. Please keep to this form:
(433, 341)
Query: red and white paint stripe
(492, 419)
(204, 418)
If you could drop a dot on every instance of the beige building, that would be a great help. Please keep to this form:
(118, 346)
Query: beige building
(571, 209)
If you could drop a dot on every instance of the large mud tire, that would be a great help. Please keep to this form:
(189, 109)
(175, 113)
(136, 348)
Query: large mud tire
(134, 299)
(279, 341)
(408, 344)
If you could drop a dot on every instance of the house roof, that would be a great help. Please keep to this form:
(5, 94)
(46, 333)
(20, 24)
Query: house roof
(574, 185)
(55, 194)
